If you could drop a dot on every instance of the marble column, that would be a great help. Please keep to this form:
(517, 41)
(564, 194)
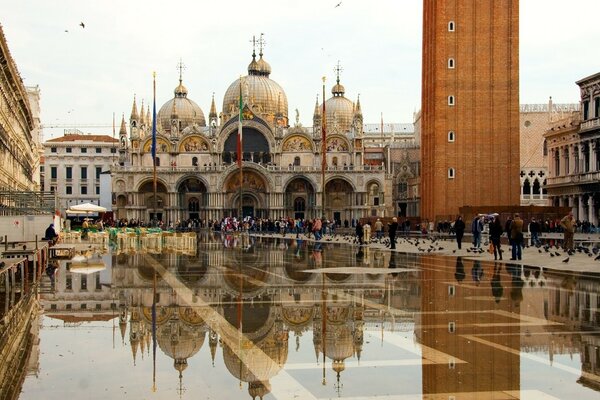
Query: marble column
(580, 208)
(592, 212)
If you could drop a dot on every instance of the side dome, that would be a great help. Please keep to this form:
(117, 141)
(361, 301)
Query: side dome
(339, 111)
(265, 96)
(185, 110)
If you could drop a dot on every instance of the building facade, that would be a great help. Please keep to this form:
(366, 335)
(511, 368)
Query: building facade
(470, 106)
(574, 155)
(19, 159)
(196, 160)
(73, 166)
(535, 120)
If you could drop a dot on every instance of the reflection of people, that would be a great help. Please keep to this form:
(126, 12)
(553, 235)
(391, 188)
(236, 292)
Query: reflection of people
(459, 274)
(392, 260)
(50, 234)
(477, 272)
(497, 288)
(359, 232)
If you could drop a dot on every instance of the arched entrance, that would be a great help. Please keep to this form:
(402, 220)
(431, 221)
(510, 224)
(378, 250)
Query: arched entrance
(155, 207)
(255, 147)
(338, 204)
(253, 197)
(192, 199)
(299, 197)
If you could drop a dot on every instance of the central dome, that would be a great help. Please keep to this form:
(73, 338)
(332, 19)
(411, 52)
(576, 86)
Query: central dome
(186, 111)
(264, 95)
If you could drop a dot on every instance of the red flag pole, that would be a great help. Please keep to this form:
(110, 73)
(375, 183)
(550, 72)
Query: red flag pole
(240, 155)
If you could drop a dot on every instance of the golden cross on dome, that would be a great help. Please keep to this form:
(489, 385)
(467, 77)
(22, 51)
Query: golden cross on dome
(253, 41)
(338, 68)
(180, 67)
(261, 44)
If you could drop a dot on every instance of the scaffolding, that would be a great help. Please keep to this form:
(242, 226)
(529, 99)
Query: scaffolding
(27, 203)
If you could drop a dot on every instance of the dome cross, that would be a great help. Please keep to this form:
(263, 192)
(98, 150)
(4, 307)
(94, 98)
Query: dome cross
(338, 69)
(180, 67)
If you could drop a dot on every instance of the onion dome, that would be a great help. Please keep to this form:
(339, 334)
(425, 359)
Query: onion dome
(339, 110)
(264, 95)
(185, 110)
(182, 345)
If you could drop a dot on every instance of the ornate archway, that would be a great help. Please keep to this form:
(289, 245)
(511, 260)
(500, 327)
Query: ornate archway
(299, 197)
(339, 195)
(253, 196)
(192, 199)
(155, 207)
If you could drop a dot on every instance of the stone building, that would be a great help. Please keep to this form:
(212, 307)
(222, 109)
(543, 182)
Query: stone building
(198, 175)
(470, 106)
(574, 155)
(73, 164)
(535, 120)
(18, 149)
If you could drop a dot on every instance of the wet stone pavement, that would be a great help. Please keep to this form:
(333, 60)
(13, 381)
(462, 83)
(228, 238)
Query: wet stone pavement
(266, 318)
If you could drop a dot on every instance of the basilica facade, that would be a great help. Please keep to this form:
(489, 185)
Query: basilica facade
(197, 170)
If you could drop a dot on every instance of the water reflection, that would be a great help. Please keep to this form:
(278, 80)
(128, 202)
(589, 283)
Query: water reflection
(402, 318)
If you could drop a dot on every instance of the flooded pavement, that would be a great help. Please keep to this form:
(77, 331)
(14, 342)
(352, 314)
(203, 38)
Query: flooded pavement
(252, 318)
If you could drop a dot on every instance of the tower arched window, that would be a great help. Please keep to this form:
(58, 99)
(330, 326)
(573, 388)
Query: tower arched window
(451, 63)
(451, 26)
(450, 100)
(451, 136)
(451, 173)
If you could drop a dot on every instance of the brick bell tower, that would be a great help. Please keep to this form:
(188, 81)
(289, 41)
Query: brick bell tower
(470, 106)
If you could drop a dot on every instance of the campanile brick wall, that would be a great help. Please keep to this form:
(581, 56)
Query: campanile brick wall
(485, 116)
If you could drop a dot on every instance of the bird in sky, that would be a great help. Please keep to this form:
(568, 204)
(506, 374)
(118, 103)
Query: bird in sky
(338, 4)
(81, 24)
(66, 30)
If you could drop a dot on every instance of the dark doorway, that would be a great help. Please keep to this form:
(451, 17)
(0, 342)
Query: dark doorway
(402, 209)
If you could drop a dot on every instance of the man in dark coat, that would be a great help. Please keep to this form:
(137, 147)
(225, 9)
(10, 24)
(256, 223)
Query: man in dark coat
(392, 229)
(50, 234)
(459, 228)
(359, 232)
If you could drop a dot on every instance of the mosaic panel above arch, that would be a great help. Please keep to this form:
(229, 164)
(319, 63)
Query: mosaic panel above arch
(162, 146)
(337, 144)
(193, 144)
(297, 143)
(251, 180)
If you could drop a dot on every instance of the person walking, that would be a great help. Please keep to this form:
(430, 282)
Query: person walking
(392, 229)
(534, 231)
(359, 232)
(379, 228)
(476, 229)
(495, 233)
(459, 229)
(516, 237)
(568, 225)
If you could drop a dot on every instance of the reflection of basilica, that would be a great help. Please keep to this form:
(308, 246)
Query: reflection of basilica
(246, 300)
(197, 174)
(262, 292)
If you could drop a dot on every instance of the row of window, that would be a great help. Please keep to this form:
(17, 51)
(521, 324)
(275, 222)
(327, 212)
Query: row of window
(82, 150)
(82, 189)
(586, 109)
(83, 172)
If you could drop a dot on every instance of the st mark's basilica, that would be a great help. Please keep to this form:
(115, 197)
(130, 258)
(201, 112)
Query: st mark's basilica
(197, 159)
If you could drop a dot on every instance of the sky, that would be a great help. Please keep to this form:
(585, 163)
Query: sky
(87, 74)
